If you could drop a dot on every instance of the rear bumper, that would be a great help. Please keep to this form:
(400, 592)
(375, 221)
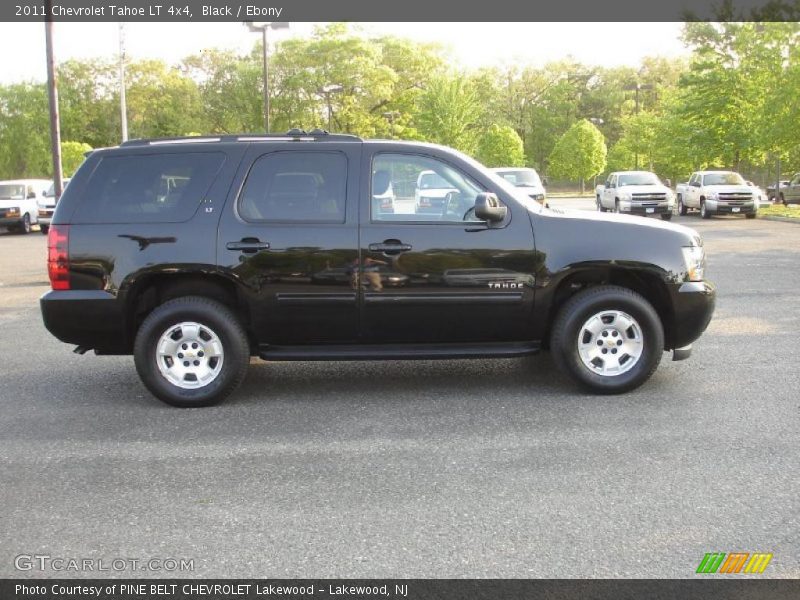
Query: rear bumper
(93, 319)
(694, 303)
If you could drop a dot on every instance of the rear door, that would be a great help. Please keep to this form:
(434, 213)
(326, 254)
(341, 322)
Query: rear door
(289, 234)
(439, 277)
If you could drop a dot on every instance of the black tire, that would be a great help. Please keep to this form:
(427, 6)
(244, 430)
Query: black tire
(44, 229)
(666, 216)
(616, 206)
(204, 311)
(704, 214)
(682, 210)
(783, 200)
(599, 205)
(751, 215)
(25, 226)
(578, 309)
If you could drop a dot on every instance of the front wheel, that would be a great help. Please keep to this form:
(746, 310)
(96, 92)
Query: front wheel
(599, 205)
(751, 215)
(608, 338)
(783, 200)
(191, 351)
(682, 210)
(666, 216)
(704, 214)
(44, 229)
(25, 226)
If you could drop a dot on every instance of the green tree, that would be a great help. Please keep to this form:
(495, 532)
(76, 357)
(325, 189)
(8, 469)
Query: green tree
(449, 113)
(501, 146)
(24, 131)
(580, 153)
(72, 155)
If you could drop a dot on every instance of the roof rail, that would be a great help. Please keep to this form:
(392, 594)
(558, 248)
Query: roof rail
(291, 135)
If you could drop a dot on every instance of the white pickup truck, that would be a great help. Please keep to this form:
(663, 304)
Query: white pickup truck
(636, 193)
(717, 192)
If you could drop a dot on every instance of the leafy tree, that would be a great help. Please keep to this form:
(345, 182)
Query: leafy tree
(501, 146)
(24, 131)
(72, 155)
(449, 113)
(579, 154)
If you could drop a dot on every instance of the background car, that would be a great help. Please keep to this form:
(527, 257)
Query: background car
(431, 193)
(46, 207)
(773, 195)
(526, 179)
(791, 193)
(636, 193)
(760, 196)
(18, 203)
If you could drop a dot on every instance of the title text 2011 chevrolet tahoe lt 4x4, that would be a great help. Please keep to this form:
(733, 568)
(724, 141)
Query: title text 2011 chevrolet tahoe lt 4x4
(196, 254)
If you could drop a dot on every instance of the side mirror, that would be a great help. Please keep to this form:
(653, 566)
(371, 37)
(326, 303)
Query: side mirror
(489, 208)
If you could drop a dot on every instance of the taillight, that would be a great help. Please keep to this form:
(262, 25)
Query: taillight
(58, 256)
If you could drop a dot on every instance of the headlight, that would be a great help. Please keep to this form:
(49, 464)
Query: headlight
(625, 197)
(695, 259)
(713, 195)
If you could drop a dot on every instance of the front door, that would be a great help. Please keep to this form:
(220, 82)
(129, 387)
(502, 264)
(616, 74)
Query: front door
(289, 234)
(439, 275)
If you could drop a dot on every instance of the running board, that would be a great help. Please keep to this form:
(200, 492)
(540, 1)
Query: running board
(399, 351)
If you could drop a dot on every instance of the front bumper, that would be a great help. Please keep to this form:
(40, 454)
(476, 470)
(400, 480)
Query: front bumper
(693, 303)
(722, 207)
(10, 221)
(635, 208)
(93, 319)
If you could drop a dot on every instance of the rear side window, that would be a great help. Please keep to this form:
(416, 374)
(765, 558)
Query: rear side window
(151, 188)
(296, 187)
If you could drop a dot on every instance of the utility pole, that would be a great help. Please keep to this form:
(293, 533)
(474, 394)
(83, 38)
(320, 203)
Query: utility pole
(262, 28)
(52, 95)
(123, 107)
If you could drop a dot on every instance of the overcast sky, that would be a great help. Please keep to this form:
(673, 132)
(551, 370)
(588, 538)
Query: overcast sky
(470, 44)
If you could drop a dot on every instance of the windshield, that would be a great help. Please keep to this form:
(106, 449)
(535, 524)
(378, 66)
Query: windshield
(51, 191)
(638, 179)
(428, 181)
(12, 192)
(521, 177)
(723, 179)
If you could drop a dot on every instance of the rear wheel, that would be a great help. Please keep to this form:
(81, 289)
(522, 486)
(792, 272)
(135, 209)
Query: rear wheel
(608, 338)
(191, 351)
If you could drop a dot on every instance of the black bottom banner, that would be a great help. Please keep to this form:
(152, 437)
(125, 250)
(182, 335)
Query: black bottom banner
(396, 589)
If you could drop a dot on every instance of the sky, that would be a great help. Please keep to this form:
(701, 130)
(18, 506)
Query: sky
(470, 45)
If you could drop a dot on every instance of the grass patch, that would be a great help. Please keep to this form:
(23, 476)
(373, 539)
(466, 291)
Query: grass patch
(779, 210)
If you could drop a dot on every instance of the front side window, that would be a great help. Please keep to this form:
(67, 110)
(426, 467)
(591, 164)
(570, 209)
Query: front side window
(407, 187)
(149, 188)
(296, 187)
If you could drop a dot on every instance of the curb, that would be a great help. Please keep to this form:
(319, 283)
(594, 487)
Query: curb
(794, 220)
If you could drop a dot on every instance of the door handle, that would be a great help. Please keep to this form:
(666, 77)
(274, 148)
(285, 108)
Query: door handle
(390, 247)
(248, 245)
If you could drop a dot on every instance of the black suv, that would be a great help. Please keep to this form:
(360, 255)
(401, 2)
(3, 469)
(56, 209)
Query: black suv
(195, 254)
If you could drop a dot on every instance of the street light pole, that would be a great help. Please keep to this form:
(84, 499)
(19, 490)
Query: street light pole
(327, 90)
(262, 28)
(52, 94)
(123, 106)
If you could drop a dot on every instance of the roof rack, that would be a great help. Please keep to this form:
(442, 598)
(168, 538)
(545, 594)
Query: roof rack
(293, 135)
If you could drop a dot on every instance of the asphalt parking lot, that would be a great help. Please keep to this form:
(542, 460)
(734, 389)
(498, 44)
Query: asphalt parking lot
(416, 469)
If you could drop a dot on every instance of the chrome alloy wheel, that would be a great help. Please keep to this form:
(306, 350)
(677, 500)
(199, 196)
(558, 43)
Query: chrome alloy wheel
(610, 343)
(189, 355)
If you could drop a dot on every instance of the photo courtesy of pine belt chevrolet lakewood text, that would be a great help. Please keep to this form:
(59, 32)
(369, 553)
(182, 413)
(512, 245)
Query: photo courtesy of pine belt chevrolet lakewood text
(195, 254)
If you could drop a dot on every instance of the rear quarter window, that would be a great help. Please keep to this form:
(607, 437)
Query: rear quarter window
(148, 188)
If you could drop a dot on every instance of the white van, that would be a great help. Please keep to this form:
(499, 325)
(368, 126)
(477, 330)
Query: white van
(19, 203)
